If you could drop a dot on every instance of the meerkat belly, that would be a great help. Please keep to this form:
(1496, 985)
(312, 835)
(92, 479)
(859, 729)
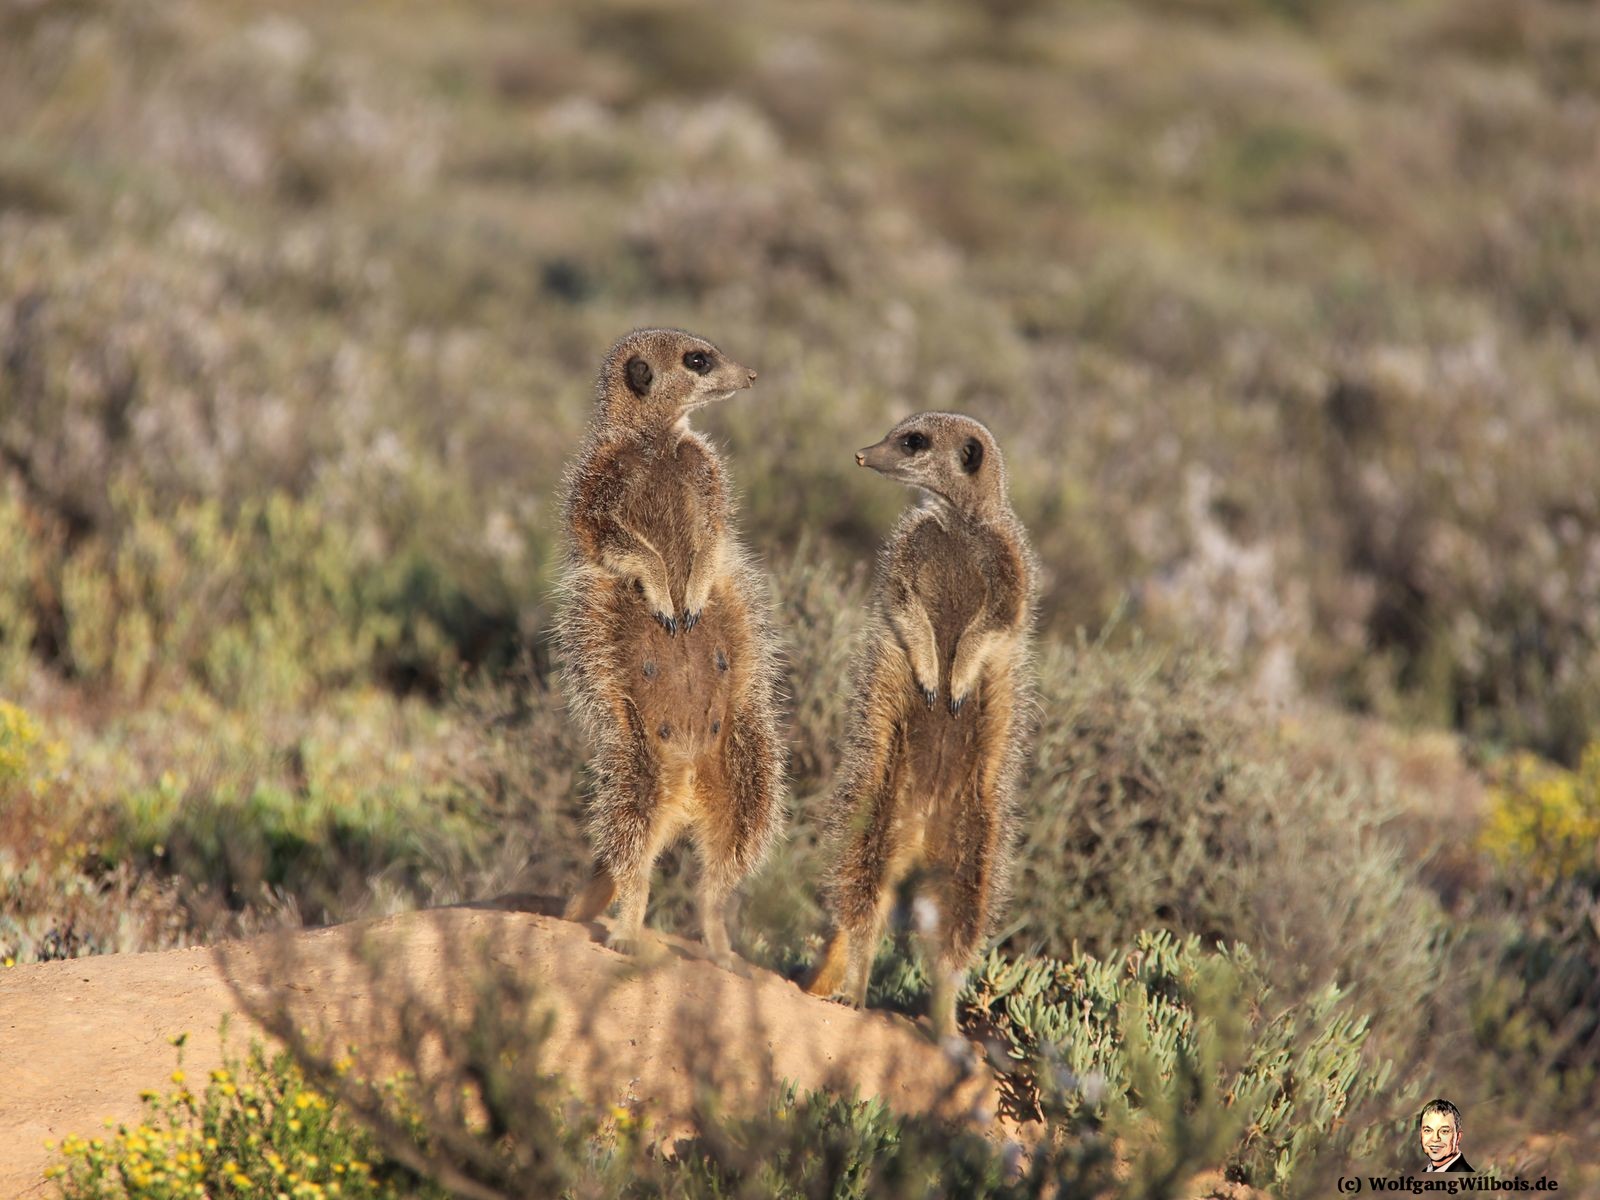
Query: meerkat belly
(942, 750)
(943, 747)
(681, 685)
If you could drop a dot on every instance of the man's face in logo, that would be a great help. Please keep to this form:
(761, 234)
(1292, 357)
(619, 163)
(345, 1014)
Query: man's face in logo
(1440, 1137)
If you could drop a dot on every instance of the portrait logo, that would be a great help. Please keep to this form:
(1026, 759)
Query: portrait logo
(1439, 1131)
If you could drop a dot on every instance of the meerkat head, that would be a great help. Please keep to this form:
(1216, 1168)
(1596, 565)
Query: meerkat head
(660, 376)
(947, 454)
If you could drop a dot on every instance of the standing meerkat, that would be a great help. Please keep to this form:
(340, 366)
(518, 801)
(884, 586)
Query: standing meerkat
(939, 720)
(668, 655)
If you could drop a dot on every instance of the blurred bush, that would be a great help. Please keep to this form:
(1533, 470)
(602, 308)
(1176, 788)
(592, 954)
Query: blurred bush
(1299, 1091)
(1536, 1011)
(1156, 799)
(1261, 362)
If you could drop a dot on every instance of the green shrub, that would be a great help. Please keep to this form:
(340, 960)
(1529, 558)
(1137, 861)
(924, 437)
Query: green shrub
(262, 605)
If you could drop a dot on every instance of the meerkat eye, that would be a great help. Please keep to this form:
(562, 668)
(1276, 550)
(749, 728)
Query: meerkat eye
(913, 442)
(697, 361)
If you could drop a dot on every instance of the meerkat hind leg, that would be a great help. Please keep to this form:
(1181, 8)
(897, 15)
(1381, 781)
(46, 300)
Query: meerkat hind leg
(947, 981)
(863, 950)
(828, 976)
(633, 883)
(715, 887)
(595, 897)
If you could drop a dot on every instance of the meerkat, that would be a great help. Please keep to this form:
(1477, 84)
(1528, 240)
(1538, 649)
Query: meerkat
(668, 655)
(942, 704)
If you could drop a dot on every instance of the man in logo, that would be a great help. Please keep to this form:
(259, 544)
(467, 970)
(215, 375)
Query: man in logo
(1440, 1125)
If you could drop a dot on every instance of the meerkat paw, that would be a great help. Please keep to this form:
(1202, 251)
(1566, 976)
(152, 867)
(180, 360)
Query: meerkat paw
(689, 619)
(667, 622)
(955, 704)
(626, 941)
(730, 962)
(929, 694)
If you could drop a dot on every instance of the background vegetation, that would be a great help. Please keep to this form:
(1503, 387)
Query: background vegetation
(1284, 312)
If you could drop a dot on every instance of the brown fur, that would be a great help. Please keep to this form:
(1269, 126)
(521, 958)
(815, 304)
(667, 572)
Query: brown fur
(943, 696)
(665, 639)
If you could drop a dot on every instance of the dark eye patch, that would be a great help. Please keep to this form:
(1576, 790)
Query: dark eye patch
(913, 442)
(698, 361)
(972, 456)
(639, 375)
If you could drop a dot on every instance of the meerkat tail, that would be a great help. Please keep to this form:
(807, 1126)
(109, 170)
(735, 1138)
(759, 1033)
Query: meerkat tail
(595, 898)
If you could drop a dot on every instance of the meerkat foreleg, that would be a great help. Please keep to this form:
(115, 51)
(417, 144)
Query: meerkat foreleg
(631, 557)
(915, 630)
(977, 649)
(704, 571)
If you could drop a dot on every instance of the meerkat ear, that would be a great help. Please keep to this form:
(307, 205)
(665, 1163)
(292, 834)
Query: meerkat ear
(972, 456)
(639, 375)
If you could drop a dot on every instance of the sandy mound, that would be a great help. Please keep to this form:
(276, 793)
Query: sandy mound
(80, 1039)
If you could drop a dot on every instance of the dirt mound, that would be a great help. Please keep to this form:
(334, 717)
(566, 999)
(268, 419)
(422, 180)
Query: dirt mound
(80, 1039)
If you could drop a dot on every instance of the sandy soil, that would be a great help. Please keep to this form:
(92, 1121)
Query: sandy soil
(80, 1039)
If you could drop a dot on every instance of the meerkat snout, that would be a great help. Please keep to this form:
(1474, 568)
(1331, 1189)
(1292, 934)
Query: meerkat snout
(659, 376)
(948, 455)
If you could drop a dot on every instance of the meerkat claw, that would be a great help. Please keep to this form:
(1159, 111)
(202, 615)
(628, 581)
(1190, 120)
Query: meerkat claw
(931, 695)
(690, 620)
(955, 704)
(667, 623)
